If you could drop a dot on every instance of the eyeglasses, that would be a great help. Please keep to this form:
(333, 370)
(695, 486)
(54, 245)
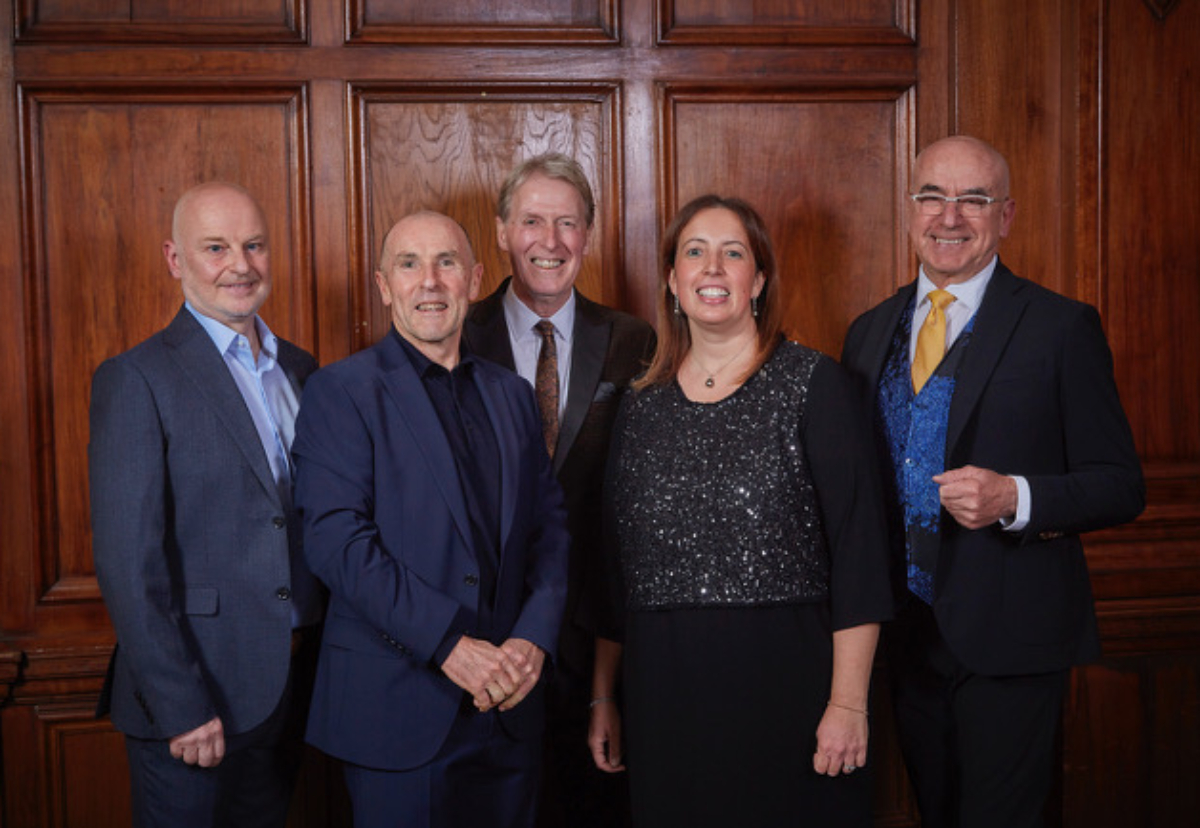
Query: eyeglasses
(934, 204)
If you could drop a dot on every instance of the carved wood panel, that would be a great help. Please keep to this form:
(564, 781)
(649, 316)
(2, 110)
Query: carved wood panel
(783, 21)
(103, 173)
(342, 114)
(821, 168)
(483, 21)
(114, 21)
(449, 150)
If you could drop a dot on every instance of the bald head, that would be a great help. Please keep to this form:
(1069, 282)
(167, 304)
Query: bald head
(197, 198)
(985, 158)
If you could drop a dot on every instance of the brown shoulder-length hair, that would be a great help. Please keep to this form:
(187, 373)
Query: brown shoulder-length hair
(674, 336)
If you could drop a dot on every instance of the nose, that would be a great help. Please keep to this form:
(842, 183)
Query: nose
(241, 263)
(713, 262)
(951, 214)
(549, 235)
(429, 276)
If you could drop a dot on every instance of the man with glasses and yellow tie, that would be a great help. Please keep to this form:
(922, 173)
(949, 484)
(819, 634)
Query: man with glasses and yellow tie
(998, 417)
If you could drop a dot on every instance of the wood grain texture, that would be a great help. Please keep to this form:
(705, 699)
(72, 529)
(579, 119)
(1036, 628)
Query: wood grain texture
(341, 115)
(450, 149)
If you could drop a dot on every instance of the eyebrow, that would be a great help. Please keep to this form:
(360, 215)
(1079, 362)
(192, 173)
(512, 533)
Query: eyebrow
(441, 254)
(697, 239)
(933, 188)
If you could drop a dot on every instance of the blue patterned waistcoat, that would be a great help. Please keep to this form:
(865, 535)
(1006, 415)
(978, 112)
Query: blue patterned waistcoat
(915, 430)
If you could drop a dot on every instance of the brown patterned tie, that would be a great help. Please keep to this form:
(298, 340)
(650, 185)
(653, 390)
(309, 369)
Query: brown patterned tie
(546, 384)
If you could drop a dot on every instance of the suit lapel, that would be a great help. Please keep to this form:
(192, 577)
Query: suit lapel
(588, 353)
(995, 321)
(509, 442)
(407, 393)
(199, 360)
(486, 330)
(879, 336)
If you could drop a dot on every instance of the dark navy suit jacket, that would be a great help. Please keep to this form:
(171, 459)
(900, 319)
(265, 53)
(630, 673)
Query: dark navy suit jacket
(1035, 396)
(387, 530)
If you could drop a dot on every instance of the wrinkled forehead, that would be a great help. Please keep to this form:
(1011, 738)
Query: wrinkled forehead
(425, 237)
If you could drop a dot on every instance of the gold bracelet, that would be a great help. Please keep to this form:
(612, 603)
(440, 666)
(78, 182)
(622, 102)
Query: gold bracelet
(844, 707)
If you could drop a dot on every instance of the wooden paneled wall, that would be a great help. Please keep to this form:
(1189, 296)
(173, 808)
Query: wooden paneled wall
(341, 115)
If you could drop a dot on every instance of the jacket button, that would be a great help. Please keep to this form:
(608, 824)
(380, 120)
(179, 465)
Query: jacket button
(278, 522)
(283, 593)
(471, 580)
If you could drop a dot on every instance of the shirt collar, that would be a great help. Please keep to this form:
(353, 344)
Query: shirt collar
(521, 319)
(967, 294)
(426, 367)
(224, 337)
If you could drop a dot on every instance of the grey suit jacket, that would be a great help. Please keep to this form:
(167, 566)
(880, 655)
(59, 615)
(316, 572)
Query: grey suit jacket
(192, 543)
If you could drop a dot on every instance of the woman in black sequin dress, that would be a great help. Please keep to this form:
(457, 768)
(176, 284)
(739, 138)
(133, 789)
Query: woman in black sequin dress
(744, 502)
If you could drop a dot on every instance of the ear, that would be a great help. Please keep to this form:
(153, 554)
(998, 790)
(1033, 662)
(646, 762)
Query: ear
(760, 281)
(1007, 213)
(500, 239)
(171, 253)
(385, 292)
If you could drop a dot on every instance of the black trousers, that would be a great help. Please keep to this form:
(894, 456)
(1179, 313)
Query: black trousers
(574, 792)
(251, 787)
(981, 751)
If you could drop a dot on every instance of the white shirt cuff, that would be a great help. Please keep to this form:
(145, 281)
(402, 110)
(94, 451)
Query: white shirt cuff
(1021, 519)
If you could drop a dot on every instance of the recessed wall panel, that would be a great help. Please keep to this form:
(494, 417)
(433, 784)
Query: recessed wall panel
(821, 168)
(450, 151)
(105, 169)
(474, 21)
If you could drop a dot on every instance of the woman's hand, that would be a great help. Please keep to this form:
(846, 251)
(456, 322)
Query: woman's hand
(841, 741)
(604, 735)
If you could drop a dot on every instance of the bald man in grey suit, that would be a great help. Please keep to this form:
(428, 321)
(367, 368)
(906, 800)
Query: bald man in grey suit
(195, 540)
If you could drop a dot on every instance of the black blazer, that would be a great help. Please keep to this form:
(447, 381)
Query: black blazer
(1035, 396)
(610, 348)
(192, 543)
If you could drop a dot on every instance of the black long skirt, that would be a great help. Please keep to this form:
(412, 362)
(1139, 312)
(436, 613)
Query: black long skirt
(721, 714)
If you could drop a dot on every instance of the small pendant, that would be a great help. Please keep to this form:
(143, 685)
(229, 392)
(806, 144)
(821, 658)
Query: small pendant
(708, 383)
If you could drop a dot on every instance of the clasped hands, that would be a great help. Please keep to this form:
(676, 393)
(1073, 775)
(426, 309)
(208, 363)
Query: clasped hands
(495, 676)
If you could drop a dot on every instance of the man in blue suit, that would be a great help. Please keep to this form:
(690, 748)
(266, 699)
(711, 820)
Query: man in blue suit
(1000, 424)
(432, 514)
(196, 545)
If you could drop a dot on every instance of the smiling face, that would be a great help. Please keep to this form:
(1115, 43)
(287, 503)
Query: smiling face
(546, 237)
(953, 247)
(715, 276)
(218, 252)
(427, 277)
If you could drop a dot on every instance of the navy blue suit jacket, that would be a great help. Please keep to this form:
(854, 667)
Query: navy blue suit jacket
(192, 543)
(1035, 396)
(387, 530)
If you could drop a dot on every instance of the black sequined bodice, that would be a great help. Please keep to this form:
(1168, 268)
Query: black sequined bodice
(713, 502)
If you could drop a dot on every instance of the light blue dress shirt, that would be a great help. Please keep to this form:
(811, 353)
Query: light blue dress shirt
(272, 403)
(527, 343)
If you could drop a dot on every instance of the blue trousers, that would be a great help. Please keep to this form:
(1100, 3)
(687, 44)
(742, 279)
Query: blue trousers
(480, 777)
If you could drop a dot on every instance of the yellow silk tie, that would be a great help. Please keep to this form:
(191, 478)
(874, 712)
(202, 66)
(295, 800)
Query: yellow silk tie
(931, 340)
